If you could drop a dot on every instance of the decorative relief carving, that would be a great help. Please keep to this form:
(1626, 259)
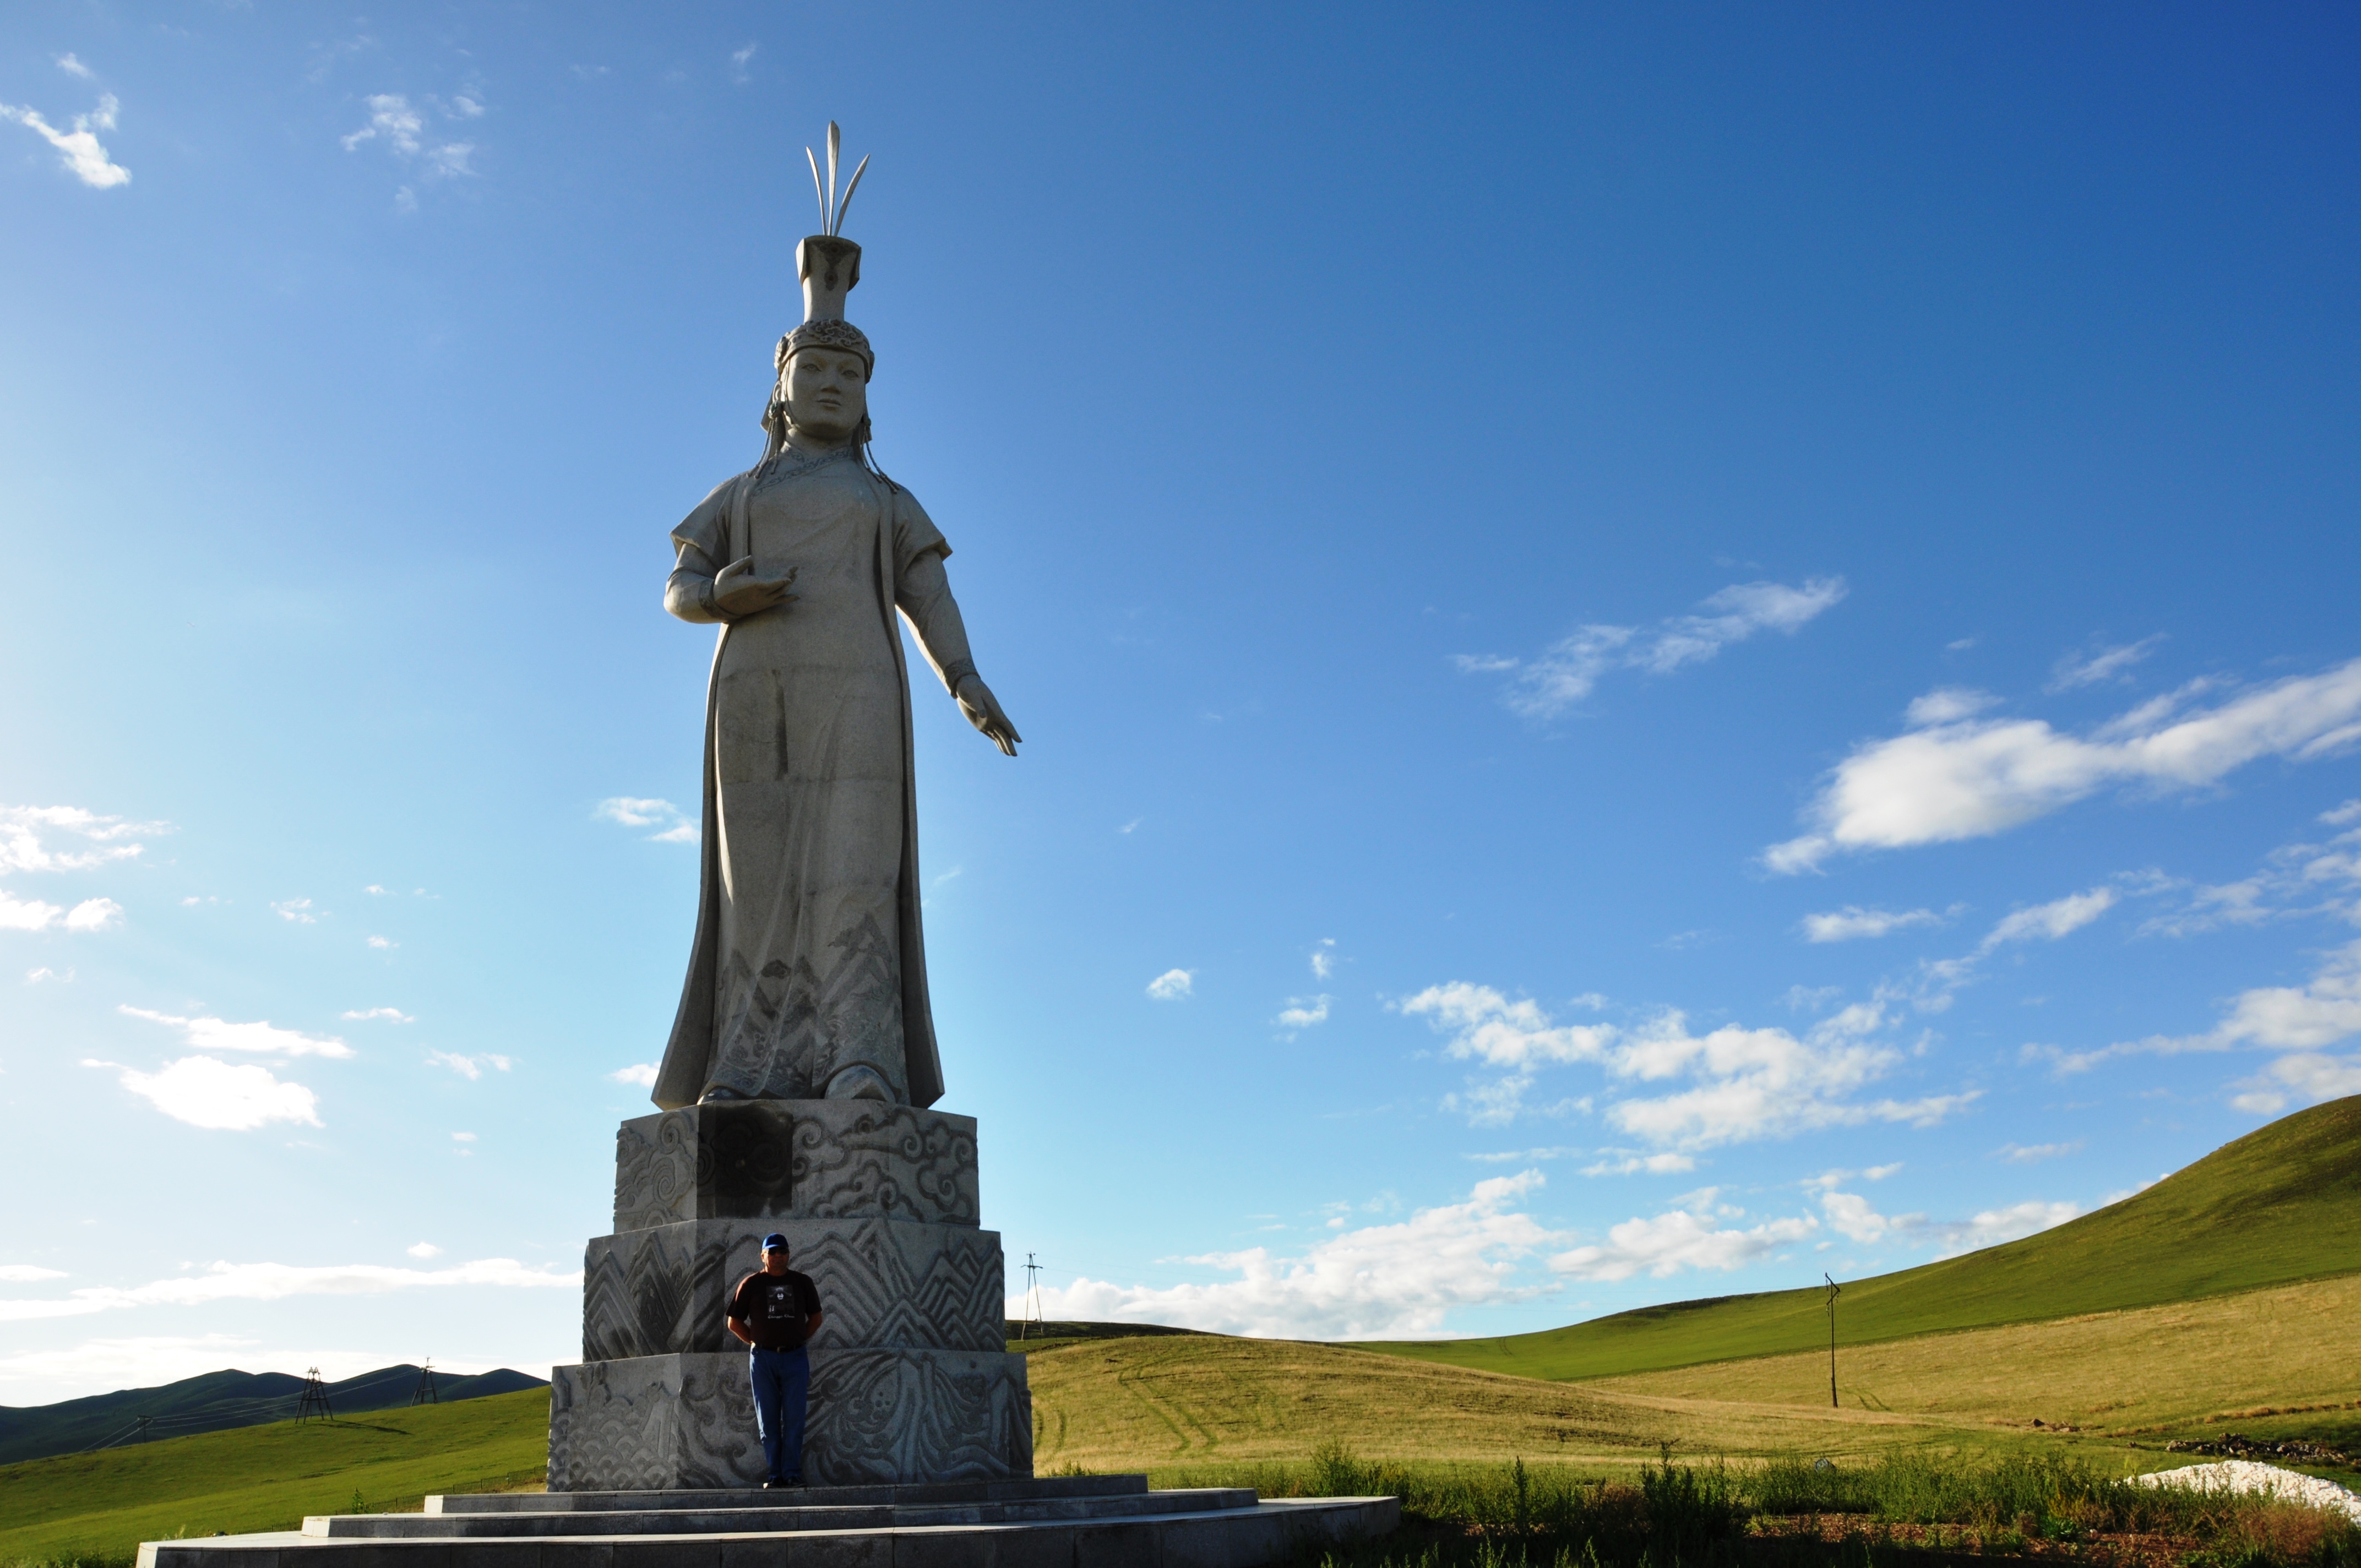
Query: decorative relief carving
(877, 1416)
(814, 1158)
(884, 1283)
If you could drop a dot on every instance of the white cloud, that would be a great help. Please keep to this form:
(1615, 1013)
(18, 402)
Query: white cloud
(1323, 959)
(2104, 663)
(1995, 1226)
(26, 1273)
(469, 1067)
(2058, 917)
(1381, 1280)
(299, 910)
(2033, 1154)
(2289, 1018)
(1963, 777)
(738, 61)
(73, 67)
(1850, 1215)
(634, 811)
(1852, 921)
(1302, 1011)
(1636, 1164)
(1173, 985)
(390, 116)
(207, 1092)
(403, 127)
(1564, 673)
(1664, 1245)
(463, 1137)
(2341, 816)
(95, 915)
(424, 1250)
(27, 915)
(261, 1037)
(29, 833)
(1744, 1083)
(35, 976)
(280, 1281)
(390, 1015)
(644, 1074)
(381, 943)
(78, 149)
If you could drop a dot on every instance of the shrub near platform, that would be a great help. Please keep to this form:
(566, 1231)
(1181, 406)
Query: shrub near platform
(1791, 1513)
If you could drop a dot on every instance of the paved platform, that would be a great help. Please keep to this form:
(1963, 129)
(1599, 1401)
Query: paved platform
(1086, 1521)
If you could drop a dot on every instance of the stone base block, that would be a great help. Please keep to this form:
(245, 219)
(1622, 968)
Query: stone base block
(878, 1417)
(810, 1158)
(883, 1282)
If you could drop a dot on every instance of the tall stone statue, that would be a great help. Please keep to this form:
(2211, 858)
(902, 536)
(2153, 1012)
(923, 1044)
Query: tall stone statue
(797, 1089)
(808, 976)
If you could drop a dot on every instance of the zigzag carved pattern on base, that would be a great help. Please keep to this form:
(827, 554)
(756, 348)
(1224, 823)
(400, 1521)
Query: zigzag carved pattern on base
(884, 1282)
(660, 1423)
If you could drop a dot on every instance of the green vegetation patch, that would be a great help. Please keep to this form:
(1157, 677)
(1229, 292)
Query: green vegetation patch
(2280, 1205)
(98, 1507)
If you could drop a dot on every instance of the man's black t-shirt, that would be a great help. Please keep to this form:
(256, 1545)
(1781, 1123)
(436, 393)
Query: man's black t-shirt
(775, 1308)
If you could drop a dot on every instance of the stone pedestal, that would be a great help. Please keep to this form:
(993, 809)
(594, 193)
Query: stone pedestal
(909, 1381)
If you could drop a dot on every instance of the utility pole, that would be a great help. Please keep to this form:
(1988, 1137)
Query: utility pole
(141, 1435)
(1834, 1291)
(424, 1393)
(314, 1401)
(1032, 1298)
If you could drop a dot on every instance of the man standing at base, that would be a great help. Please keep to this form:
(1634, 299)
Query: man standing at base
(776, 1310)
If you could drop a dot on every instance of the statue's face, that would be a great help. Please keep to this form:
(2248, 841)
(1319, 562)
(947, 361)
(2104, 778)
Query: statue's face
(827, 392)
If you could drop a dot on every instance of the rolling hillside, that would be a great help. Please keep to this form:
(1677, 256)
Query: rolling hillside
(101, 1505)
(218, 1401)
(2280, 1205)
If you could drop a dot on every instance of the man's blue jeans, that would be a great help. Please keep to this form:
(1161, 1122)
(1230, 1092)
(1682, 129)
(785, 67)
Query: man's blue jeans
(782, 1379)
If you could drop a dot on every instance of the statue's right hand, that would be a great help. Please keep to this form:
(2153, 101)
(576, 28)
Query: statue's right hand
(737, 592)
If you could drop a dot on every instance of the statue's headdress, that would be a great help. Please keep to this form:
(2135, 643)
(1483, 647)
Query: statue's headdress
(829, 265)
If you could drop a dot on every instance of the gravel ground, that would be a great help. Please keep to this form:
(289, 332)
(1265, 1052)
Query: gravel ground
(2245, 1475)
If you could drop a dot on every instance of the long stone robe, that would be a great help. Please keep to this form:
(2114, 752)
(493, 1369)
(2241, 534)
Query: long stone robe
(809, 956)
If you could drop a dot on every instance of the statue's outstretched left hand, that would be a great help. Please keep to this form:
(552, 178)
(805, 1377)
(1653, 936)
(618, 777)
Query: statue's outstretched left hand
(982, 710)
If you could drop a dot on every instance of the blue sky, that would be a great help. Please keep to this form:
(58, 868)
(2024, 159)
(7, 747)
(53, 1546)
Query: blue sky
(1661, 648)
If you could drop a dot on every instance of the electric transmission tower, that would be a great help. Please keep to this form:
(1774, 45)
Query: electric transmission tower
(1032, 1298)
(314, 1404)
(424, 1393)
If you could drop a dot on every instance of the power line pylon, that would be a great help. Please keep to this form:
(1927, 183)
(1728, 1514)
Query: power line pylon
(424, 1393)
(1032, 1298)
(314, 1404)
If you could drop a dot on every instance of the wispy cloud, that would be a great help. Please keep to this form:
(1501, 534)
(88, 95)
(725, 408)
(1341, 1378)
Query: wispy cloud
(1683, 1238)
(642, 1074)
(390, 1014)
(401, 128)
(1955, 774)
(205, 1091)
(2034, 1154)
(261, 1037)
(1391, 1279)
(2099, 663)
(1323, 959)
(73, 67)
(282, 1281)
(33, 914)
(635, 811)
(298, 910)
(1173, 985)
(1853, 922)
(78, 149)
(30, 835)
(1562, 674)
(740, 59)
(1302, 1011)
(471, 1067)
(1741, 1084)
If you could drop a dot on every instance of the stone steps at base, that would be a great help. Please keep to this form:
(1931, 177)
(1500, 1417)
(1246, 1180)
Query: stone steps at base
(1231, 1538)
(779, 1511)
(1027, 1488)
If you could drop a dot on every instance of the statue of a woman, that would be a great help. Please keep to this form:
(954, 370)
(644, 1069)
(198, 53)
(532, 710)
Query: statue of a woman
(808, 978)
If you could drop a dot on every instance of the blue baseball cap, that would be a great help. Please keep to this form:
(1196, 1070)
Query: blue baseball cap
(774, 1243)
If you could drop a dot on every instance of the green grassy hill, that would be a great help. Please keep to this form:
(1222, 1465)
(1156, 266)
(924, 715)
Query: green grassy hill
(2282, 1204)
(99, 1507)
(220, 1399)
